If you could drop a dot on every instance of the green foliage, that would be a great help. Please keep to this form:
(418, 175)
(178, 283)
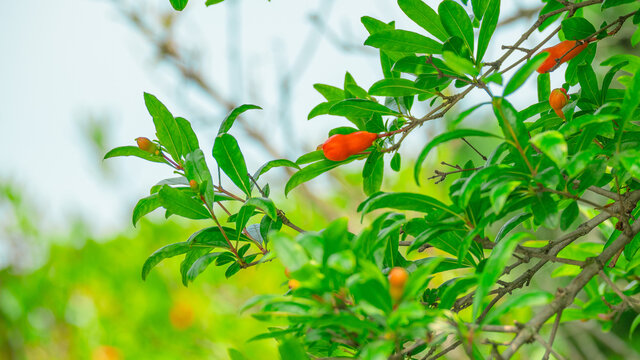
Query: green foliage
(500, 213)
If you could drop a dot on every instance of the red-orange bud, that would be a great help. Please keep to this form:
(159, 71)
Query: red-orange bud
(339, 147)
(398, 277)
(558, 99)
(194, 185)
(146, 145)
(294, 284)
(558, 52)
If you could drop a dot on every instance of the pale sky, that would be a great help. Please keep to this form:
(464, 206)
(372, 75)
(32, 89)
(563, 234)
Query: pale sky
(64, 61)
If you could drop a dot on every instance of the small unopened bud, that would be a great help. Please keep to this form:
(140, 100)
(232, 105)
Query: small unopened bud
(194, 185)
(294, 284)
(147, 145)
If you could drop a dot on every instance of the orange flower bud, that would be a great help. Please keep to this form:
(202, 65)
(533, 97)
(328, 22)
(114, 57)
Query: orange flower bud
(294, 284)
(147, 145)
(194, 185)
(287, 273)
(339, 147)
(558, 99)
(398, 277)
(557, 52)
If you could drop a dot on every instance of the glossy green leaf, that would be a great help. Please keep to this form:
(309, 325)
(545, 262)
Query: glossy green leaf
(187, 136)
(404, 201)
(630, 102)
(179, 4)
(511, 224)
(404, 41)
(552, 144)
(459, 64)
(500, 193)
(544, 87)
(163, 253)
(233, 353)
(229, 157)
(167, 129)
(196, 168)
(577, 28)
(606, 82)
(479, 8)
(360, 108)
(189, 259)
(456, 22)
(321, 109)
(374, 171)
(145, 206)
(395, 88)
(396, 160)
(569, 215)
(180, 203)
(588, 83)
(213, 237)
(519, 78)
(423, 15)
(134, 151)
(331, 93)
(511, 123)
(212, 2)
(273, 164)
(487, 27)
(496, 263)
(450, 135)
(227, 123)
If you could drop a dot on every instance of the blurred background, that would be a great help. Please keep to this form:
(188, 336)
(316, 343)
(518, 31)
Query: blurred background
(72, 76)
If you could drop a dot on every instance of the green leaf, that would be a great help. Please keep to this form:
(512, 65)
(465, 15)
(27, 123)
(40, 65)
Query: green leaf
(165, 252)
(459, 64)
(544, 87)
(523, 73)
(374, 171)
(187, 136)
(266, 205)
(611, 3)
(577, 28)
(196, 168)
(630, 159)
(331, 93)
(227, 123)
(423, 15)
(552, 144)
(192, 256)
(145, 206)
(630, 102)
(167, 129)
(404, 201)
(180, 203)
(634, 325)
(511, 224)
(395, 162)
(321, 109)
(569, 215)
(291, 349)
(499, 194)
(395, 88)
(450, 135)
(228, 156)
(200, 265)
(511, 124)
(179, 4)
(488, 27)
(404, 41)
(606, 82)
(479, 8)
(290, 252)
(493, 268)
(212, 237)
(311, 171)
(456, 22)
(273, 164)
(134, 151)
(212, 2)
(360, 108)
(588, 83)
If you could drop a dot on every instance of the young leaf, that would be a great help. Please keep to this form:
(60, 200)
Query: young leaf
(577, 28)
(395, 88)
(423, 15)
(212, 2)
(488, 27)
(134, 151)
(180, 203)
(456, 22)
(166, 126)
(552, 144)
(523, 73)
(227, 123)
(228, 156)
(450, 135)
(272, 164)
(404, 41)
(145, 206)
(311, 171)
(163, 253)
